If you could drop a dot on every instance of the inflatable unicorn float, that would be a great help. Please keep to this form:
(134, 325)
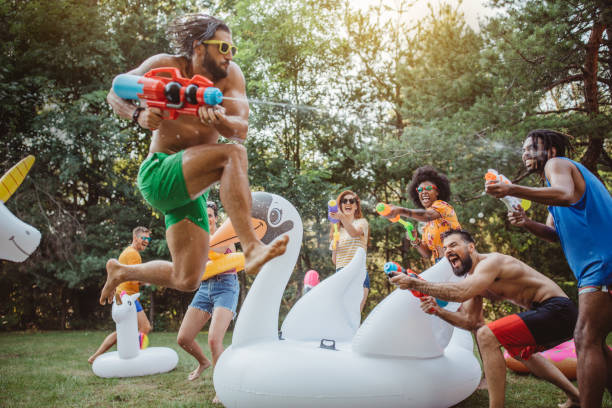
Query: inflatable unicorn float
(17, 239)
(129, 360)
(399, 357)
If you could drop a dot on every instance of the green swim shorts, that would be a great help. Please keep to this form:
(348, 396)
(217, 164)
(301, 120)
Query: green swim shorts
(161, 182)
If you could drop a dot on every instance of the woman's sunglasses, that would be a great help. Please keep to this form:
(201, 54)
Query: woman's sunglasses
(224, 46)
(148, 239)
(348, 200)
(426, 188)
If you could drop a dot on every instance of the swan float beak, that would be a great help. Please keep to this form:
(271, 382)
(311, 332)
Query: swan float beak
(226, 234)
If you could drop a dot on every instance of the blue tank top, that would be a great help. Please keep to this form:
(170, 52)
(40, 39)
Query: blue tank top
(585, 230)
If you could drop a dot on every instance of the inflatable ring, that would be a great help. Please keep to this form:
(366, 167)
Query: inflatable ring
(220, 263)
(563, 356)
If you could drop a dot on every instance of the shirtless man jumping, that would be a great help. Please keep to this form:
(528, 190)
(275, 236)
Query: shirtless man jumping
(549, 320)
(185, 160)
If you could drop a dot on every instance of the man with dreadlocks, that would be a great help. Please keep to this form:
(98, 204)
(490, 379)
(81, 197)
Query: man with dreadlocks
(185, 160)
(581, 219)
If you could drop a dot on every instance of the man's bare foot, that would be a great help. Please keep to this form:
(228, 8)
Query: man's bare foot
(91, 359)
(216, 400)
(196, 373)
(257, 256)
(112, 281)
(570, 404)
(483, 384)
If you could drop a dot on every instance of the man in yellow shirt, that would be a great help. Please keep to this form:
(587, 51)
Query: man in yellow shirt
(141, 237)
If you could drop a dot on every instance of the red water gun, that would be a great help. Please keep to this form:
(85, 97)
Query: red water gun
(166, 89)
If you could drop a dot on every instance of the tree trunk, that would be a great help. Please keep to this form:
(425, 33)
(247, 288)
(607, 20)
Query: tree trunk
(595, 145)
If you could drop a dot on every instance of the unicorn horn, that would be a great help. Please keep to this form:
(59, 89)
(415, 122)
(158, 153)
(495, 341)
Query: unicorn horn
(14, 177)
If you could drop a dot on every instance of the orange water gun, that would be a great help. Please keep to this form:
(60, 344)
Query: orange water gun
(384, 210)
(511, 202)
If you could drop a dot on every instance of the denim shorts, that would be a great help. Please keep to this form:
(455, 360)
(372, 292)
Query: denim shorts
(217, 291)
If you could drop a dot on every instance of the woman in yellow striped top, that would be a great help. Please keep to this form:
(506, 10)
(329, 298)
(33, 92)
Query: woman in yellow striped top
(354, 231)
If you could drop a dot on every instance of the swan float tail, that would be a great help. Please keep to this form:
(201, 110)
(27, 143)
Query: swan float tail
(331, 309)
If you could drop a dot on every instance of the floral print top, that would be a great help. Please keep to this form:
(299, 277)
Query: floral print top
(433, 230)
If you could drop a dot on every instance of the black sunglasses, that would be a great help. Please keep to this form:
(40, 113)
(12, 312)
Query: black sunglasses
(348, 200)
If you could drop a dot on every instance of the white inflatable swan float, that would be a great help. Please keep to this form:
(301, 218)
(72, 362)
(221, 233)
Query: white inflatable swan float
(399, 357)
(129, 360)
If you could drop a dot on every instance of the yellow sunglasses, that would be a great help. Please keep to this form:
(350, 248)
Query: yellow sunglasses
(224, 46)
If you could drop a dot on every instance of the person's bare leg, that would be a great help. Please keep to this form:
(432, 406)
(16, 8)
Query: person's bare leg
(192, 323)
(494, 366)
(221, 319)
(106, 344)
(364, 299)
(188, 244)
(546, 370)
(143, 323)
(205, 164)
(594, 324)
(483, 381)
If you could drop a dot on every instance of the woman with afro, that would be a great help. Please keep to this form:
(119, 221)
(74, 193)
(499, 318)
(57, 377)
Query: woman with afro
(430, 191)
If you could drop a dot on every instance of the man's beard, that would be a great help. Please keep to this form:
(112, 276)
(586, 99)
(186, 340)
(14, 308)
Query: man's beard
(466, 265)
(214, 70)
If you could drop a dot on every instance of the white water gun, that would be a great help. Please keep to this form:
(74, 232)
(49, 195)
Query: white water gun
(511, 202)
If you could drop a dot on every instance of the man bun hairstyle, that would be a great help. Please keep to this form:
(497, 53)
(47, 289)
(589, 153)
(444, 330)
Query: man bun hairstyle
(184, 30)
(428, 173)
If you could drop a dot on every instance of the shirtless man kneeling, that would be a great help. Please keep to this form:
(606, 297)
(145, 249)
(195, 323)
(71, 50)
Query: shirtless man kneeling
(185, 160)
(549, 320)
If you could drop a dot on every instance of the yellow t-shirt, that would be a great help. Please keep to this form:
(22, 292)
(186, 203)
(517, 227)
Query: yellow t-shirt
(433, 230)
(347, 245)
(129, 256)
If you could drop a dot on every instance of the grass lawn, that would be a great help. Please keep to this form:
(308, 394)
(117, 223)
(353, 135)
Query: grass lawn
(50, 369)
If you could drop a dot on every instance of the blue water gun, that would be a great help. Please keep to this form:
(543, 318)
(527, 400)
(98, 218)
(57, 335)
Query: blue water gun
(393, 269)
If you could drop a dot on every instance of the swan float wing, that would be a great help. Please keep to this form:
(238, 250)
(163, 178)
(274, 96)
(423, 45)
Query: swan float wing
(398, 327)
(330, 310)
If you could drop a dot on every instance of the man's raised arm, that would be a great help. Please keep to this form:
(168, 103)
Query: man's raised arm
(150, 119)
